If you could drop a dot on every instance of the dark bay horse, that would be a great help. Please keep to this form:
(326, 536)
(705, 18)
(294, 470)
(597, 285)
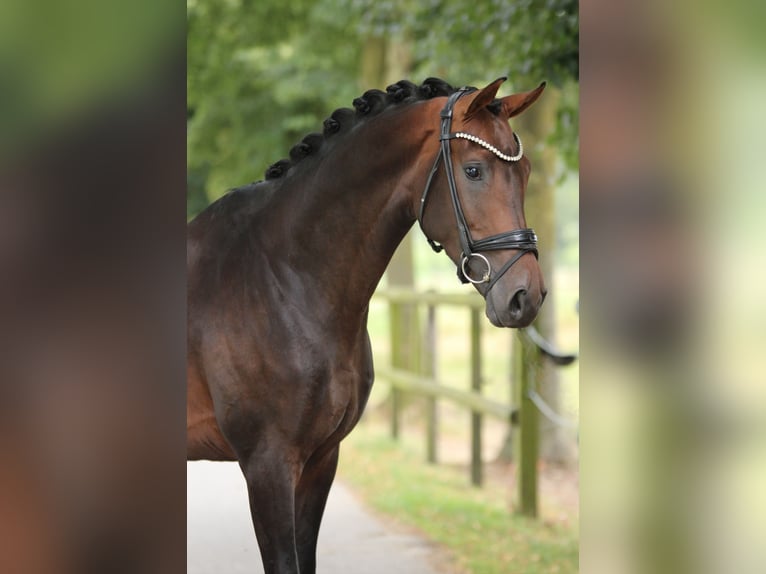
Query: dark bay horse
(280, 275)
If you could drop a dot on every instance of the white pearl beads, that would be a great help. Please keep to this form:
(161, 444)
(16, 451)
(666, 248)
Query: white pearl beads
(492, 148)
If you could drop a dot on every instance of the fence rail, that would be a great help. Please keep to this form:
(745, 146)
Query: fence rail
(398, 295)
(407, 381)
(419, 377)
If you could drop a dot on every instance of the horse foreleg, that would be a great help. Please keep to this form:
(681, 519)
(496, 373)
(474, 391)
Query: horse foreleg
(313, 489)
(271, 488)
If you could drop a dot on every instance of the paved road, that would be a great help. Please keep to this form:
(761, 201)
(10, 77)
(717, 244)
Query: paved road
(220, 536)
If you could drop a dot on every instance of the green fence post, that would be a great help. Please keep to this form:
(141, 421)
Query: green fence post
(396, 361)
(429, 363)
(476, 418)
(526, 437)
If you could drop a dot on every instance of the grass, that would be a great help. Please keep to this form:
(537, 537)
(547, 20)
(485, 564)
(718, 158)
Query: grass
(482, 535)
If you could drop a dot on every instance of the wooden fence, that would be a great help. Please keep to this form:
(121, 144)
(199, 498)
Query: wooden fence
(419, 377)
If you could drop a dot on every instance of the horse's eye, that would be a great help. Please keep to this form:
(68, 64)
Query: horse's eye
(472, 172)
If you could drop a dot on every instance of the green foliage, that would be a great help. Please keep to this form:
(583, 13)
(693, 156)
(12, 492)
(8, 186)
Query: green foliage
(263, 73)
(258, 79)
(528, 39)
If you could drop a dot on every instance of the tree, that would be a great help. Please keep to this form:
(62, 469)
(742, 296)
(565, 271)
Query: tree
(263, 73)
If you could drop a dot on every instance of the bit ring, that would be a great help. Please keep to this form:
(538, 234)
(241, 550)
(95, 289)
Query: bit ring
(485, 277)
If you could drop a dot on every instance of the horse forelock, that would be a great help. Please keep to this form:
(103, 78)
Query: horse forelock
(368, 105)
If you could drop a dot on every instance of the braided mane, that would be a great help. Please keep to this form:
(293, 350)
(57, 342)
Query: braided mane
(370, 104)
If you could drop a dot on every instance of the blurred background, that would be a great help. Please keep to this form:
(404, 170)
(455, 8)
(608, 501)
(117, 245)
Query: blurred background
(261, 75)
(93, 121)
(673, 414)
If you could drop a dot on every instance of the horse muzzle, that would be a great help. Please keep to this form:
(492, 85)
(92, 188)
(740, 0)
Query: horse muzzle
(516, 311)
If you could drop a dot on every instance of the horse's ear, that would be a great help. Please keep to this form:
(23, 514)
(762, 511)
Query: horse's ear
(517, 103)
(484, 97)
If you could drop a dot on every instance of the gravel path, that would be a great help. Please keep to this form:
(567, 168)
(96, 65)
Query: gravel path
(220, 539)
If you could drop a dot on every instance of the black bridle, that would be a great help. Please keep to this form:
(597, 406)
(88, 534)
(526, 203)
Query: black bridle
(524, 240)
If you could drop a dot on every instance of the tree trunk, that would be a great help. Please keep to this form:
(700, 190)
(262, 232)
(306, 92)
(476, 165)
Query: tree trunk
(385, 61)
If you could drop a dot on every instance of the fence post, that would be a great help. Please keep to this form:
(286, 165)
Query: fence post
(429, 368)
(396, 328)
(527, 436)
(476, 418)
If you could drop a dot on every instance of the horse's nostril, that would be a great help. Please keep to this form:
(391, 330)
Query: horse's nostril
(517, 304)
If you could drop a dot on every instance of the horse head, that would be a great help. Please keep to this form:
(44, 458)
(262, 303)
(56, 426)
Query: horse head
(473, 203)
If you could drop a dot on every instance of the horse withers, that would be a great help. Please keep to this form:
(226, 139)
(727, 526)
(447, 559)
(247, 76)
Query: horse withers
(281, 272)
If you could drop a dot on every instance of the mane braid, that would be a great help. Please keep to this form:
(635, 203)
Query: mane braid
(368, 105)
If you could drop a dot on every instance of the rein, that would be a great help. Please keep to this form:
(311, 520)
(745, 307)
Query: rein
(524, 240)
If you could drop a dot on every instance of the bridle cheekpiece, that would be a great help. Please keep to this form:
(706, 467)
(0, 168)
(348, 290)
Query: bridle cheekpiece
(523, 240)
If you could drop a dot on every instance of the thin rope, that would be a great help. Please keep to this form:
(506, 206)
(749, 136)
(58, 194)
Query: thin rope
(548, 412)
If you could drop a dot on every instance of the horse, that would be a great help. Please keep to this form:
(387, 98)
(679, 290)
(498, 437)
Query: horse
(280, 274)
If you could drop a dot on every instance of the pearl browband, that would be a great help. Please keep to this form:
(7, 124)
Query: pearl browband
(489, 146)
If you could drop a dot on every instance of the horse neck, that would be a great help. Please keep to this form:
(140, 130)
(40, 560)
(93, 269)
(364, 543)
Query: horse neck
(349, 213)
